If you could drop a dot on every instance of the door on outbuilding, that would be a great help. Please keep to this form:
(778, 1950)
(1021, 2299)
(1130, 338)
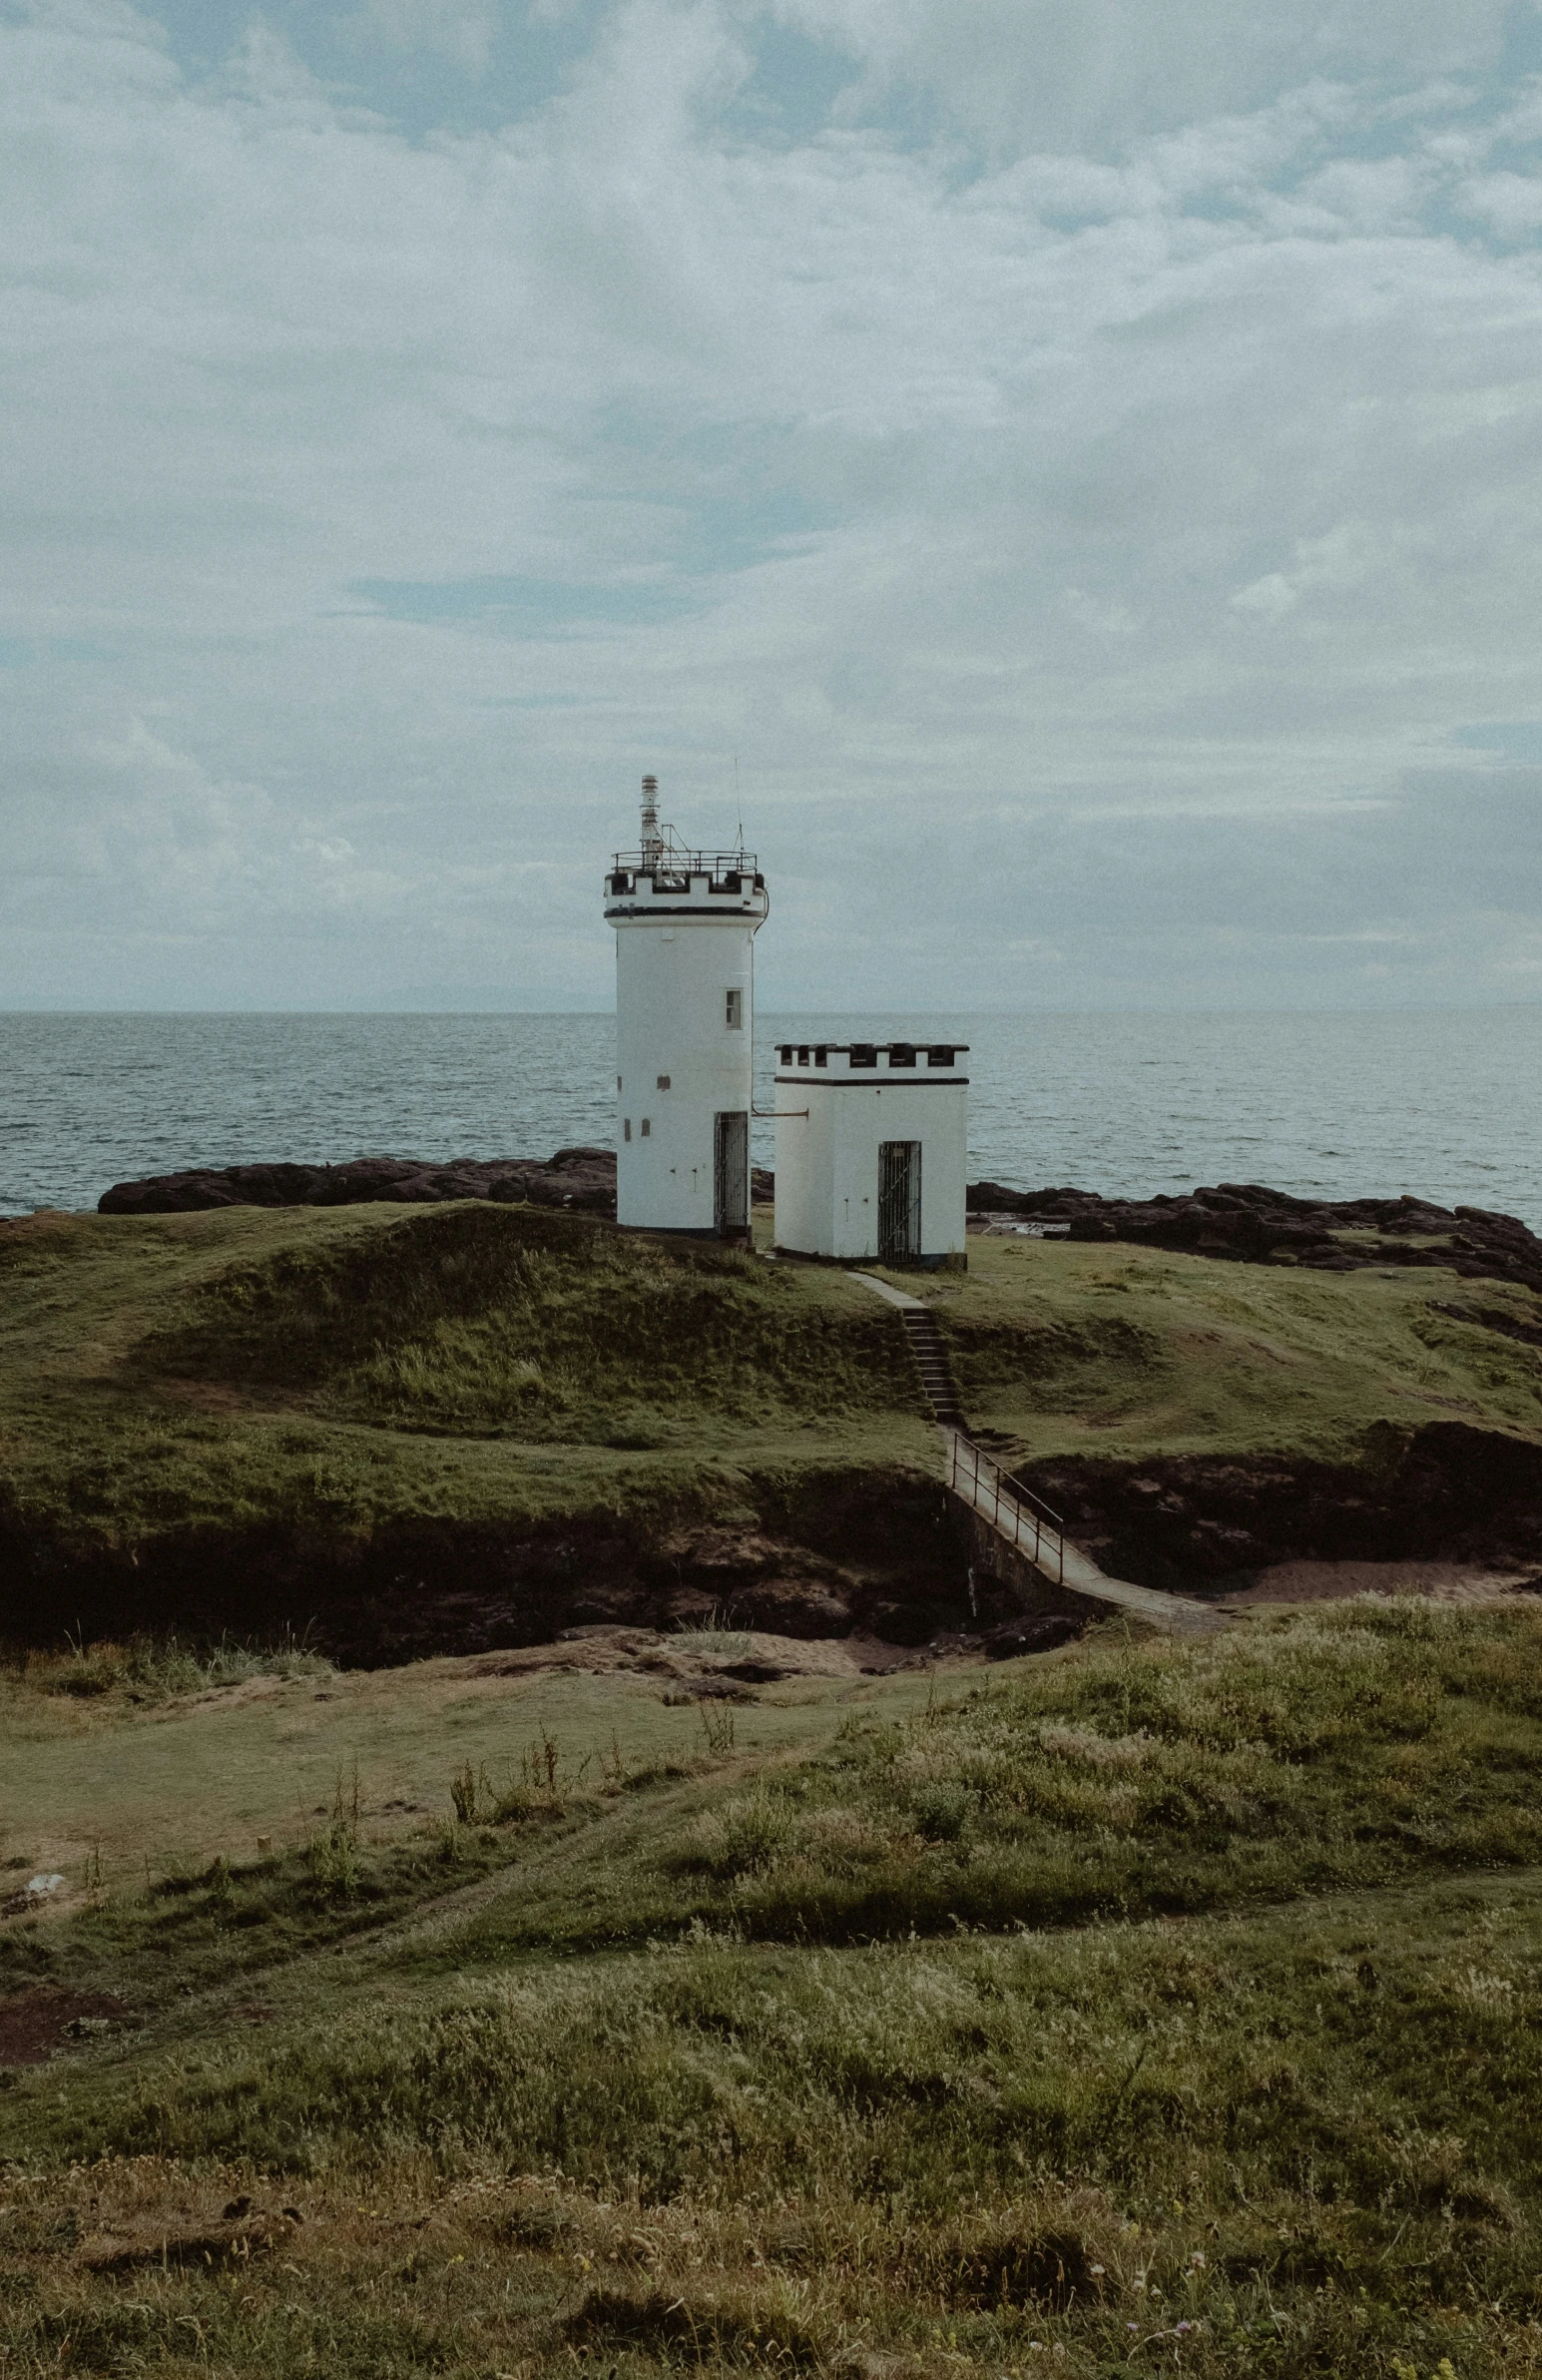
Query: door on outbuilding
(899, 1199)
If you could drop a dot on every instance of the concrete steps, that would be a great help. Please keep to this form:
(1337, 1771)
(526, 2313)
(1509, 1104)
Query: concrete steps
(930, 1355)
(1028, 1530)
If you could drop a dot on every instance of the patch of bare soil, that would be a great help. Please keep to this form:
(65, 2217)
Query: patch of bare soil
(43, 2019)
(1443, 1582)
(241, 2233)
(704, 1661)
(606, 1649)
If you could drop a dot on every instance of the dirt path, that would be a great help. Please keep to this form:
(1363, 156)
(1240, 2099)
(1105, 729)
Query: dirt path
(1330, 1581)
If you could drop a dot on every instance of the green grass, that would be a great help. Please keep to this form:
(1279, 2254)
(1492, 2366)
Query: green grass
(520, 1323)
(312, 1380)
(155, 1669)
(1141, 2007)
(1124, 1353)
(118, 1785)
(290, 1387)
(1354, 1745)
(1228, 2065)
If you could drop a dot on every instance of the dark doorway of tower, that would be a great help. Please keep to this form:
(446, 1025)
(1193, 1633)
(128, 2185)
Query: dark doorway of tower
(730, 1175)
(899, 1199)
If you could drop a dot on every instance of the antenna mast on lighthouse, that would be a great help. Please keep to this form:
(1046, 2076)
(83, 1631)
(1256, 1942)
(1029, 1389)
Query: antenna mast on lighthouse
(652, 845)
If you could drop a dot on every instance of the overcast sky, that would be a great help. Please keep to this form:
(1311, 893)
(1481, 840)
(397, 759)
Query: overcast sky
(1083, 456)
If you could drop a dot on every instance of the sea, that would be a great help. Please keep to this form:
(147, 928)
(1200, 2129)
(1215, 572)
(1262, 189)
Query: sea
(1329, 1104)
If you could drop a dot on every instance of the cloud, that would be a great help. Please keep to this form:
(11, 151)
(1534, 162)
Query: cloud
(1051, 74)
(462, 30)
(1118, 422)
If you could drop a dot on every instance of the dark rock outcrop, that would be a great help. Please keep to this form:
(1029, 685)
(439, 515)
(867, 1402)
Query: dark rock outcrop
(580, 1178)
(1250, 1224)
(1445, 1490)
(584, 1178)
(877, 1553)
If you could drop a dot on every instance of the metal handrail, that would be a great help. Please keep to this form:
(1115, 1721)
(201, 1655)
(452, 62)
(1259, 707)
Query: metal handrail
(1023, 1510)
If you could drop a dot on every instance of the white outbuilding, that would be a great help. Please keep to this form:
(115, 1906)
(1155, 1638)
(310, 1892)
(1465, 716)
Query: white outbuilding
(872, 1151)
(686, 923)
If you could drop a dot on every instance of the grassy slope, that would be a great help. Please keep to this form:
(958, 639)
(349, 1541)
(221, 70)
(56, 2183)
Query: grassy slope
(203, 1774)
(349, 1367)
(521, 2136)
(1306, 2134)
(341, 1370)
(1125, 1352)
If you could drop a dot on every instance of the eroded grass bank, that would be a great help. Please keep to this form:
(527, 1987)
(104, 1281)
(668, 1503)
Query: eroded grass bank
(466, 1425)
(440, 1429)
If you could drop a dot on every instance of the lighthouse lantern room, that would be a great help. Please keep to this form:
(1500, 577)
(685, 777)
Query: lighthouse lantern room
(686, 923)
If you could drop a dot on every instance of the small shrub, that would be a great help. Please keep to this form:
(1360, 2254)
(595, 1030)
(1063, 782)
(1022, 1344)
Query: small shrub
(741, 1838)
(716, 1719)
(1050, 2270)
(468, 1788)
(941, 1811)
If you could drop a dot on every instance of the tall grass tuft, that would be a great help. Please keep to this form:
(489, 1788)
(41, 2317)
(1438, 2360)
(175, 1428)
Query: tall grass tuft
(332, 1852)
(714, 1638)
(146, 1669)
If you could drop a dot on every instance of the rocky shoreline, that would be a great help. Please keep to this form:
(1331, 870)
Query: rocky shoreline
(1250, 1224)
(1243, 1222)
(580, 1178)
(584, 1179)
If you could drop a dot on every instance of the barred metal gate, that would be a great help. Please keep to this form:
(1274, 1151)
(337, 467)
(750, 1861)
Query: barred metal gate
(730, 1174)
(899, 1198)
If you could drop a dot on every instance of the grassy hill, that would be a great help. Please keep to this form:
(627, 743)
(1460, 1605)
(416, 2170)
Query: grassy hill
(1128, 1353)
(287, 1409)
(495, 1418)
(1139, 2008)
(272, 1335)
(1198, 1420)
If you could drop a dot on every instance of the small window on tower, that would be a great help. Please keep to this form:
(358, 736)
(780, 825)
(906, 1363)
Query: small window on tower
(626, 1128)
(664, 1082)
(647, 1128)
(735, 1015)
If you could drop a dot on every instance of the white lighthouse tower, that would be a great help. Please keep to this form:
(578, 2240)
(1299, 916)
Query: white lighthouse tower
(686, 923)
